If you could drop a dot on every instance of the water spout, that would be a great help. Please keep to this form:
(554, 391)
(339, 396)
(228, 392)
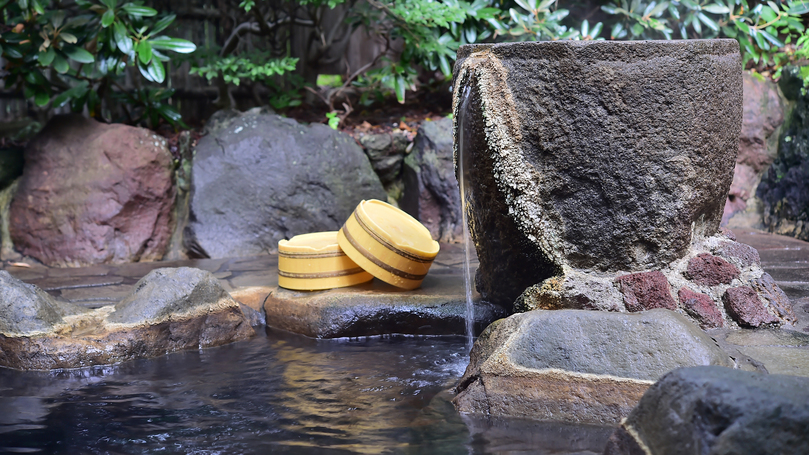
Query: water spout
(466, 198)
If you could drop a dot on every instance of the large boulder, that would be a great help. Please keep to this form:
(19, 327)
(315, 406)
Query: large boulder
(259, 178)
(590, 160)
(92, 193)
(168, 310)
(784, 188)
(718, 411)
(591, 155)
(430, 189)
(578, 366)
(758, 145)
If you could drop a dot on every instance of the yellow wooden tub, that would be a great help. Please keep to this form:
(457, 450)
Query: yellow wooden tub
(315, 261)
(388, 243)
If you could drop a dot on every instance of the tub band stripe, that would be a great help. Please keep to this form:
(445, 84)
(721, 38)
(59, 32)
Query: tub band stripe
(294, 255)
(307, 276)
(388, 245)
(367, 254)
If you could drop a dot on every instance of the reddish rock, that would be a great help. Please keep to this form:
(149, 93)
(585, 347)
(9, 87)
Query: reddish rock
(778, 300)
(727, 233)
(93, 193)
(645, 291)
(763, 114)
(709, 270)
(746, 255)
(744, 307)
(701, 307)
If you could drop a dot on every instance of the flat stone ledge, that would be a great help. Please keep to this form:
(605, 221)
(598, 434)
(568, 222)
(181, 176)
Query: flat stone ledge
(438, 307)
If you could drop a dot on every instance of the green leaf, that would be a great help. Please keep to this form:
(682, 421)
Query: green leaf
(60, 64)
(37, 7)
(144, 50)
(444, 64)
(41, 98)
(140, 11)
(523, 4)
(74, 92)
(742, 26)
(399, 87)
(107, 18)
(122, 39)
(78, 54)
(637, 29)
(767, 13)
(57, 18)
(609, 9)
(164, 43)
(799, 8)
(658, 10)
(716, 8)
(68, 37)
(12, 51)
(110, 4)
(769, 37)
(708, 21)
(45, 58)
(157, 71)
(161, 25)
(596, 30)
(144, 71)
(168, 113)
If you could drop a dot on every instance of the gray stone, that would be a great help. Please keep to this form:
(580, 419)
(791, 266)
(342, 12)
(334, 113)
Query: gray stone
(386, 159)
(168, 292)
(578, 366)
(718, 411)
(169, 310)
(430, 188)
(603, 156)
(26, 309)
(263, 178)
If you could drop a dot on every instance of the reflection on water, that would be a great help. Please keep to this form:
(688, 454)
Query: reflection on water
(277, 392)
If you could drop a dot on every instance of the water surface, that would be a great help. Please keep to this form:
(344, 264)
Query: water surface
(279, 393)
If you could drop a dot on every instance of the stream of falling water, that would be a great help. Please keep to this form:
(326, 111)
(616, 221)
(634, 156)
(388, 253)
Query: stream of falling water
(465, 199)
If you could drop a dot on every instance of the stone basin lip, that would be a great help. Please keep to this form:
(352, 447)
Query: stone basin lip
(527, 48)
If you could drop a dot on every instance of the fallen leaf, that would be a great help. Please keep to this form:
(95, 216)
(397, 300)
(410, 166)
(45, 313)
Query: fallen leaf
(19, 264)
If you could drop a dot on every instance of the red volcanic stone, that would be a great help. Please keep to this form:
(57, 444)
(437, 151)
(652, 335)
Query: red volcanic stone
(709, 270)
(744, 306)
(93, 193)
(701, 307)
(646, 291)
(745, 254)
(778, 300)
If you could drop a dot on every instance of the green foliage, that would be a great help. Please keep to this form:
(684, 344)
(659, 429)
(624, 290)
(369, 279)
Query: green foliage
(253, 66)
(334, 120)
(75, 57)
(763, 31)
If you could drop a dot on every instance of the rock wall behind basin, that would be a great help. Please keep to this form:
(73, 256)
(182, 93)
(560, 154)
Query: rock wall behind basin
(601, 156)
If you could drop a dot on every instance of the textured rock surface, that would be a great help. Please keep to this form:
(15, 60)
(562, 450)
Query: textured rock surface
(93, 193)
(169, 310)
(758, 145)
(430, 189)
(578, 366)
(744, 306)
(701, 307)
(386, 152)
(708, 270)
(608, 156)
(646, 291)
(719, 411)
(784, 188)
(26, 309)
(259, 178)
(438, 307)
